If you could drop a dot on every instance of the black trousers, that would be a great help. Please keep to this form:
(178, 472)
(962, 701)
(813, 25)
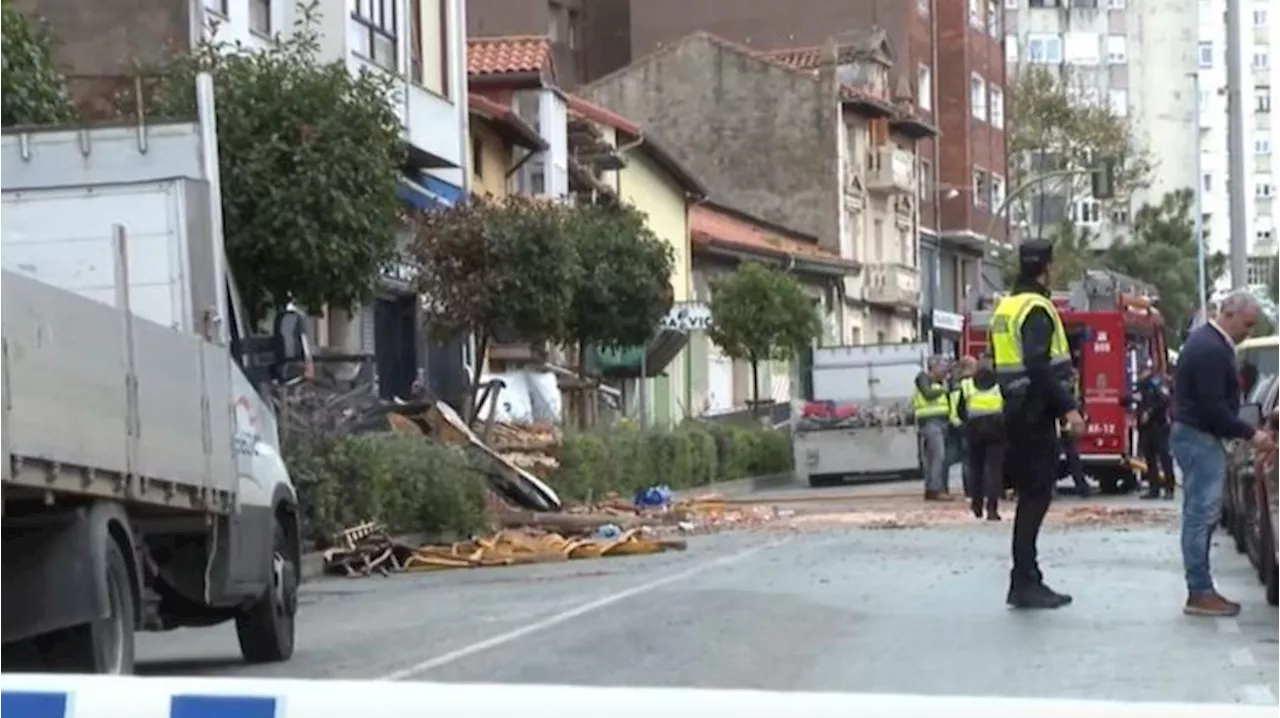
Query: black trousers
(1153, 442)
(1032, 467)
(1075, 466)
(985, 477)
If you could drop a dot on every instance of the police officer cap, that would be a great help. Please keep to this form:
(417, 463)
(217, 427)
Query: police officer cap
(1037, 252)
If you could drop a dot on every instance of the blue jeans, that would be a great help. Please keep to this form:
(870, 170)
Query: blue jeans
(933, 435)
(1203, 461)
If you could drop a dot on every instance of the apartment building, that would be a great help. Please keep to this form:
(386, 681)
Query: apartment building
(937, 51)
(1259, 31)
(419, 42)
(1137, 58)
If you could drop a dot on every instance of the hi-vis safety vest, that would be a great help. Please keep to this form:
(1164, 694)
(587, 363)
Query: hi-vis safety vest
(1006, 340)
(981, 402)
(938, 408)
(953, 412)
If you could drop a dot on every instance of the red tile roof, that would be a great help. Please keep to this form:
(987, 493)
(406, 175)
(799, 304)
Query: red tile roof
(512, 54)
(710, 226)
(801, 58)
(602, 115)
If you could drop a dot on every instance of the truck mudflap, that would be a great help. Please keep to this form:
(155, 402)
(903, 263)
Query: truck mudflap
(75, 696)
(55, 568)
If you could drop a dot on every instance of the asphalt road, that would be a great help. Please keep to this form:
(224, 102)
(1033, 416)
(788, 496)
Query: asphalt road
(908, 610)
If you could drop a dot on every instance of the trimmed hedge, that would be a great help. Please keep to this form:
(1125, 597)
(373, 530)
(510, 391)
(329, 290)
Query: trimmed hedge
(415, 485)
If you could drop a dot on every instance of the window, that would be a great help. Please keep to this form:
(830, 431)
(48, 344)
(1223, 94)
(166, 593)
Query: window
(574, 24)
(1206, 54)
(922, 7)
(1088, 97)
(1262, 99)
(1086, 211)
(1044, 3)
(981, 190)
(1262, 143)
(1010, 50)
(877, 237)
(554, 10)
(218, 6)
(1044, 49)
(926, 181)
(978, 97)
(1260, 18)
(477, 157)
(260, 16)
(1120, 216)
(995, 18)
(1261, 60)
(1011, 4)
(1264, 188)
(1263, 236)
(924, 87)
(997, 192)
(996, 108)
(1115, 4)
(975, 13)
(376, 29)
(1118, 102)
(429, 45)
(1082, 48)
(1206, 181)
(1117, 49)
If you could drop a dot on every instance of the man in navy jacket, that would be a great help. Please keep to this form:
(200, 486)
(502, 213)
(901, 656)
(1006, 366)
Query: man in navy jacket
(1206, 401)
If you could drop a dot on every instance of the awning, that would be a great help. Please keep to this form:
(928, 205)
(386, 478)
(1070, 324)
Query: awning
(626, 363)
(424, 192)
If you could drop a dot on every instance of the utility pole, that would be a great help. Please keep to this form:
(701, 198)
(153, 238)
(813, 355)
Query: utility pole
(1201, 280)
(1237, 182)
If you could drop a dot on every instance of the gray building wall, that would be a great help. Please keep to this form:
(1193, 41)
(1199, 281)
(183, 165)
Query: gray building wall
(761, 136)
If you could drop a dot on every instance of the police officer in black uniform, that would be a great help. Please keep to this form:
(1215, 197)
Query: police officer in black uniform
(1032, 357)
(1152, 404)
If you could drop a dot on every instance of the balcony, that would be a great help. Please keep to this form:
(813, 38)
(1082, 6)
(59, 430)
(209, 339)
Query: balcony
(891, 170)
(892, 285)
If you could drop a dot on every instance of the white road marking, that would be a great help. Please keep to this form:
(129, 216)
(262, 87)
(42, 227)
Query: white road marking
(1228, 625)
(1243, 658)
(570, 614)
(1257, 694)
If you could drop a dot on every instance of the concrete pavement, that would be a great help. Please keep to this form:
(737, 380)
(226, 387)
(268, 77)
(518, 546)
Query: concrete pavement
(913, 610)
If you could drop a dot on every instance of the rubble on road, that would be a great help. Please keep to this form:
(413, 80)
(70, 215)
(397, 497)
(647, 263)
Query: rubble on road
(369, 550)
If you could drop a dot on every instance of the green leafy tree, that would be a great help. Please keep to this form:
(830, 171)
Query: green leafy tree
(760, 314)
(34, 91)
(624, 287)
(1163, 253)
(309, 155)
(490, 266)
(1051, 127)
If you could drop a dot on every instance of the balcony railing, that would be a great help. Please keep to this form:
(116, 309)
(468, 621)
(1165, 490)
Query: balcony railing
(890, 169)
(892, 285)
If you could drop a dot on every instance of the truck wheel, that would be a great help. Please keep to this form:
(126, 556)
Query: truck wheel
(265, 629)
(101, 646)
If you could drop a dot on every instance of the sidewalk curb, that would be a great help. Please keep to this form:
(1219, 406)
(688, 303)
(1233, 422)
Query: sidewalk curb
(312, 564)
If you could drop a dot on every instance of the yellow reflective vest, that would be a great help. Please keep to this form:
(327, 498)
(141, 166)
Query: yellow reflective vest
(1006, 339)
(939, 408)
(953, 398)
(981, 402)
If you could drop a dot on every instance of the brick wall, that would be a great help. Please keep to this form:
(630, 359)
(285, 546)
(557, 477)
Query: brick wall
(761, 137)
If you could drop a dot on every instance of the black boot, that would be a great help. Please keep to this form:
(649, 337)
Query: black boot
(1153, 491)
(993, 510)
(1168, 490)
(1031, 593)
(975, 505)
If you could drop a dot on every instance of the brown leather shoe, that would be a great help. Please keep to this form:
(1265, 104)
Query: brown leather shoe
(1211, 604)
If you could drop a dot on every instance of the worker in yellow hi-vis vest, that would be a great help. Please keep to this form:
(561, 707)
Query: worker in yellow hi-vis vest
(932, 410)
(980, 409)
(1033, 362)
(958, 441)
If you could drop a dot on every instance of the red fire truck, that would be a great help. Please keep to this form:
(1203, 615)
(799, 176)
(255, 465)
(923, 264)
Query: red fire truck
(1116, 330)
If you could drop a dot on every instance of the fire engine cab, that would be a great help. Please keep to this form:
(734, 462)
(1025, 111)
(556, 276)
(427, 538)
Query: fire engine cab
(1115, 330)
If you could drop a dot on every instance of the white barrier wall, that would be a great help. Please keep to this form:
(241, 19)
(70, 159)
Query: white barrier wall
(75, 696)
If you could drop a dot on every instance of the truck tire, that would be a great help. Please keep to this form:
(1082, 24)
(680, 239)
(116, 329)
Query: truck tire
(266, 629)
(103, 646)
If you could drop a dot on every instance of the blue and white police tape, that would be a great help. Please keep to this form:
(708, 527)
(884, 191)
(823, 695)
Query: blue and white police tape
(76, 696)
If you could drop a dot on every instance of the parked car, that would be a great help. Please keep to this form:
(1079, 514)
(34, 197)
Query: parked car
(1250, 499)
(1259, 367)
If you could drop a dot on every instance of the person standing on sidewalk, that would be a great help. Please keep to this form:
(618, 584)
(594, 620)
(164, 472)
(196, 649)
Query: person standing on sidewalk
(1152, 407)
(1032, 357)
(980, 408)
(1206, 401)
(932, 409)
